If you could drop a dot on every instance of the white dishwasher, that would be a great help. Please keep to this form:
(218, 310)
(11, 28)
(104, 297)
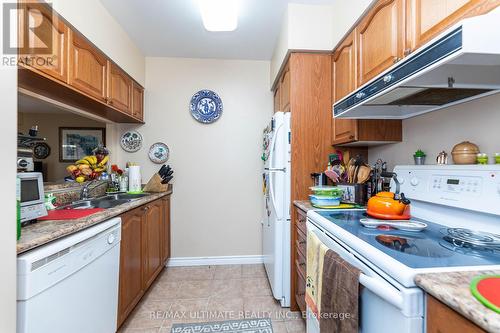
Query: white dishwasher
(71, 284)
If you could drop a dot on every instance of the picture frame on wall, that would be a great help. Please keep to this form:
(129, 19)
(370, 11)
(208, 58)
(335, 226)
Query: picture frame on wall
(77, 142)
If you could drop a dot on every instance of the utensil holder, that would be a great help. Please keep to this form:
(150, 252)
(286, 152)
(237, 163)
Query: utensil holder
(155, 185)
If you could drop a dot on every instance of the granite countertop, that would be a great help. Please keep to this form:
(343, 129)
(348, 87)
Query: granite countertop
(453, 290)
(44, 232)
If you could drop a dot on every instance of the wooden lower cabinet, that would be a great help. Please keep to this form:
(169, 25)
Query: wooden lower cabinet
(152, 241)
(131, 263)
(142, 252)
(299, 255)
(442, 319)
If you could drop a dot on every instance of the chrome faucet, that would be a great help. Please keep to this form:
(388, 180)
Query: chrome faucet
(84, 193)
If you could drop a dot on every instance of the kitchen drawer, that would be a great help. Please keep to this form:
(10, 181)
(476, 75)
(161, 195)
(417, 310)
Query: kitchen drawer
(300, 267)
(301, 255)
(301, 235)
(301, 248)
(301, 221)
(300, 295)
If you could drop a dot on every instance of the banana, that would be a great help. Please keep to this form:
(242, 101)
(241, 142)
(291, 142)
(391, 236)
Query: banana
(100, 169)
(91, 159)
(82, 161)
(103, 162)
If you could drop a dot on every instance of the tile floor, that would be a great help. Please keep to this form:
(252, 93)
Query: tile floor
(210, 293)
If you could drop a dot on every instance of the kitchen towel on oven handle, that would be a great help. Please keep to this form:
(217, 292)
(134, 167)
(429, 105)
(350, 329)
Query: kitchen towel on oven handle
(314, 272)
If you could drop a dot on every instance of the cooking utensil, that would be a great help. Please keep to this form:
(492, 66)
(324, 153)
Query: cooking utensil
(364, 173)
(358, 162)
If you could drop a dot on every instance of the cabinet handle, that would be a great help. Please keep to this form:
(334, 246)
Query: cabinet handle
(145, 208)
(407, 52)
(351, 136)
(396, 59)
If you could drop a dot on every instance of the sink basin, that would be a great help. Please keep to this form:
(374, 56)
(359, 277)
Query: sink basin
(95, 203)
(128, 196)
(108, 201)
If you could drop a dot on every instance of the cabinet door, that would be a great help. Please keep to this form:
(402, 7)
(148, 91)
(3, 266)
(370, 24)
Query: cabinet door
(442, 319)
(166, 230)
(119, 89)
(285, 91)
(138, 101)
(43, 40)
(152, 241)
(131, 263)
(87, 67)
(380, 38)
(344, 82)
(427, 18)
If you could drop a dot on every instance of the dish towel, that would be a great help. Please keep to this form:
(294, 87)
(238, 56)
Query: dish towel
(314, 270)
(340, 295)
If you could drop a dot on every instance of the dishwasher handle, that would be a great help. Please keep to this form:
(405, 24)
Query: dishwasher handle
(367, 278)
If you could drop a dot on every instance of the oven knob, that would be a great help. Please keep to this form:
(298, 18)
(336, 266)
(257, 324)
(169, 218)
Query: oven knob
(414, 181)
(111, 238)
(401, 180)
(22, 163)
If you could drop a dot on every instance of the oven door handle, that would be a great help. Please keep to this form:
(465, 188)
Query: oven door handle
(383, 290)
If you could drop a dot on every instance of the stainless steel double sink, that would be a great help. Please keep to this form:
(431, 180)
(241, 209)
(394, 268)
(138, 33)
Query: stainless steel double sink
(107, 201)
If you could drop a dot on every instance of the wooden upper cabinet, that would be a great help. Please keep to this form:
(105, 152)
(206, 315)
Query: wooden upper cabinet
(87, 67)
(137, 101)
(285, 90)
(428, 18)
(119, 89)
(344, 82)
(153, 241)
(43, 40)
(380, 39)
(344, 68)
(131, 285)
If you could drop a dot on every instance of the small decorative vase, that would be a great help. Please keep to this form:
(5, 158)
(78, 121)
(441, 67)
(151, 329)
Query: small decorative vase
(419, 160)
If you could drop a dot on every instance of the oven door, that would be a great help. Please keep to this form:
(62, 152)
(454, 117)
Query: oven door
(384, 306)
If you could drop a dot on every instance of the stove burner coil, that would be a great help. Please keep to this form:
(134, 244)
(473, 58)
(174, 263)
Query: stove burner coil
(462, 237)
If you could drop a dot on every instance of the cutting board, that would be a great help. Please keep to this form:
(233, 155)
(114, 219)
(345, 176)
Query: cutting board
(69, 214)
(486, 288)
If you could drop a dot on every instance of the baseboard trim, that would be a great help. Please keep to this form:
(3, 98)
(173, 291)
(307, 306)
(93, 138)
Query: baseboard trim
(222, 260)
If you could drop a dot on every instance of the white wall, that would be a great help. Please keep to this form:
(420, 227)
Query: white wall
(304, 27)
(476, 121)
(8, 128)
(92, 19)
(217, 184)
(315, 28)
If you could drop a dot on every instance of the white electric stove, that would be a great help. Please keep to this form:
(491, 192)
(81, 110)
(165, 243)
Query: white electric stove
(460, 205)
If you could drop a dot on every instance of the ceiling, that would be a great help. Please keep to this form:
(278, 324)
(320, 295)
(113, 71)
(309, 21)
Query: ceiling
(173, 28)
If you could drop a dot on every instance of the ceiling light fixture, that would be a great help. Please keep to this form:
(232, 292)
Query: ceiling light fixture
(219, 15)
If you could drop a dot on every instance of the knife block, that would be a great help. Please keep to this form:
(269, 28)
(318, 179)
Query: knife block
(155, 185)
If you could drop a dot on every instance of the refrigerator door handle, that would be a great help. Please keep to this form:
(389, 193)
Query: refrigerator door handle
(271, 195)
(273, 145)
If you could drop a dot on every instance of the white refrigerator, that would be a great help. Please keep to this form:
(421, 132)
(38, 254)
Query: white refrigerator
(276, 218)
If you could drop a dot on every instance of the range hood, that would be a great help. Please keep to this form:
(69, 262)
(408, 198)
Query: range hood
(461, 64)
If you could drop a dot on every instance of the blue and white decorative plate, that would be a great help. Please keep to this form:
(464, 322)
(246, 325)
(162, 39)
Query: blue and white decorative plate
(206, 106)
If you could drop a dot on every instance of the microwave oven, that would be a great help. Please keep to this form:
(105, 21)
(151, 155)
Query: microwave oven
(32, 196)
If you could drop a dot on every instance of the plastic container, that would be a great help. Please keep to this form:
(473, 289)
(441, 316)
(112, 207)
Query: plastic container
(324, 201)
(327, 191)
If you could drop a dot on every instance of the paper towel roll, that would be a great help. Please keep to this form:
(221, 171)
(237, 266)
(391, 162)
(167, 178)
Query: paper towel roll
(134, 178)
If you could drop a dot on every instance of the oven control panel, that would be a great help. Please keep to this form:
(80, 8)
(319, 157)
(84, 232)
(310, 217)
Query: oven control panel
(474, 187)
